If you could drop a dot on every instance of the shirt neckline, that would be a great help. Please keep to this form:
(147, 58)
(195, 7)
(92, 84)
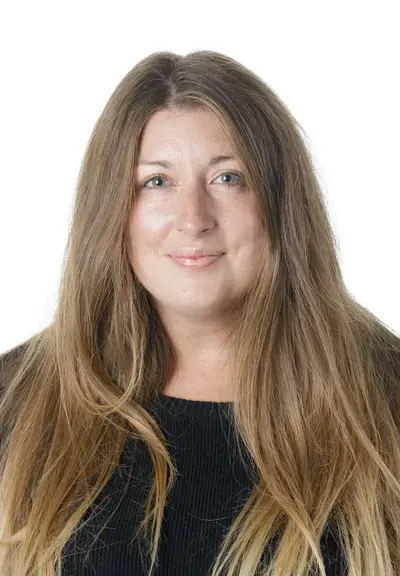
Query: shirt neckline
(184, 407)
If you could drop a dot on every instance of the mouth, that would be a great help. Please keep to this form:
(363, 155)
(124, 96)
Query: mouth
(196, 262)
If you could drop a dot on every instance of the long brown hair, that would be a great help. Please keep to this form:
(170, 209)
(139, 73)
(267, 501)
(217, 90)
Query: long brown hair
(316, 375)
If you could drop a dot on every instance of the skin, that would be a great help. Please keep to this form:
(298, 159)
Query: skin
(193, 206)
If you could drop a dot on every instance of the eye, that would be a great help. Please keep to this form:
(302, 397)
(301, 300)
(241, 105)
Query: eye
(239, 179)
(155, 177)
(239, 176)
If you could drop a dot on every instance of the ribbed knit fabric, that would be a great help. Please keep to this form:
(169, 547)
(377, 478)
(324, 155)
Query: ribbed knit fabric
(211, 487)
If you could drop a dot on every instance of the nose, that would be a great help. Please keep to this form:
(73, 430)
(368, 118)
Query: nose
(193, 211)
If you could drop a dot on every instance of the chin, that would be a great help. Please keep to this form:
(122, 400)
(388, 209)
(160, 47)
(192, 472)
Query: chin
(198, 307)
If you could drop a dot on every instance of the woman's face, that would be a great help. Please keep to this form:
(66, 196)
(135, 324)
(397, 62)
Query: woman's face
(194, 203)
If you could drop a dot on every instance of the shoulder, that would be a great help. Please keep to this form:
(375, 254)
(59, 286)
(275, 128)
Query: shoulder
(386, 357)
(9, 363)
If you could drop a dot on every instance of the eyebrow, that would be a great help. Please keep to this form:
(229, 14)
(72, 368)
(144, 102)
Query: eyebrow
(165, 164)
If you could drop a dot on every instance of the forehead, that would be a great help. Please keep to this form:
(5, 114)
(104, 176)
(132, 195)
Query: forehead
(181, 133)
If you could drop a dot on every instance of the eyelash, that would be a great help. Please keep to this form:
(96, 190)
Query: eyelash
(241, 181)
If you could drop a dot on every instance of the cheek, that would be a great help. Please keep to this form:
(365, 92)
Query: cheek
(244, 227)
(149, 224)
(247, 239)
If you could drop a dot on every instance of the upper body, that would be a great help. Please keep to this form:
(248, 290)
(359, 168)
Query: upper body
(213, 485)
(201, 268)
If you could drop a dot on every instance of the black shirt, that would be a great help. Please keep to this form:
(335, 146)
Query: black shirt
(211, 487)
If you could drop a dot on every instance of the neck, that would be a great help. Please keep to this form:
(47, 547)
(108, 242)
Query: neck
(203, 353)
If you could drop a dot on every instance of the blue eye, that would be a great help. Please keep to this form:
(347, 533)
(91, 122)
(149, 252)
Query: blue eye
(156, 177)
(239, 182)
(239, 176)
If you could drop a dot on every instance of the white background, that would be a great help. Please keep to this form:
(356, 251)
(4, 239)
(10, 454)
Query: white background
(335, 64)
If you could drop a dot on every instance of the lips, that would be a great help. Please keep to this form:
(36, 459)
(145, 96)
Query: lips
(194, 253)
(196, 262)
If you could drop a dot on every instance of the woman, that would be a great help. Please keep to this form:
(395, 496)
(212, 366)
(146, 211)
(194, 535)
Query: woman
(202, 314)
